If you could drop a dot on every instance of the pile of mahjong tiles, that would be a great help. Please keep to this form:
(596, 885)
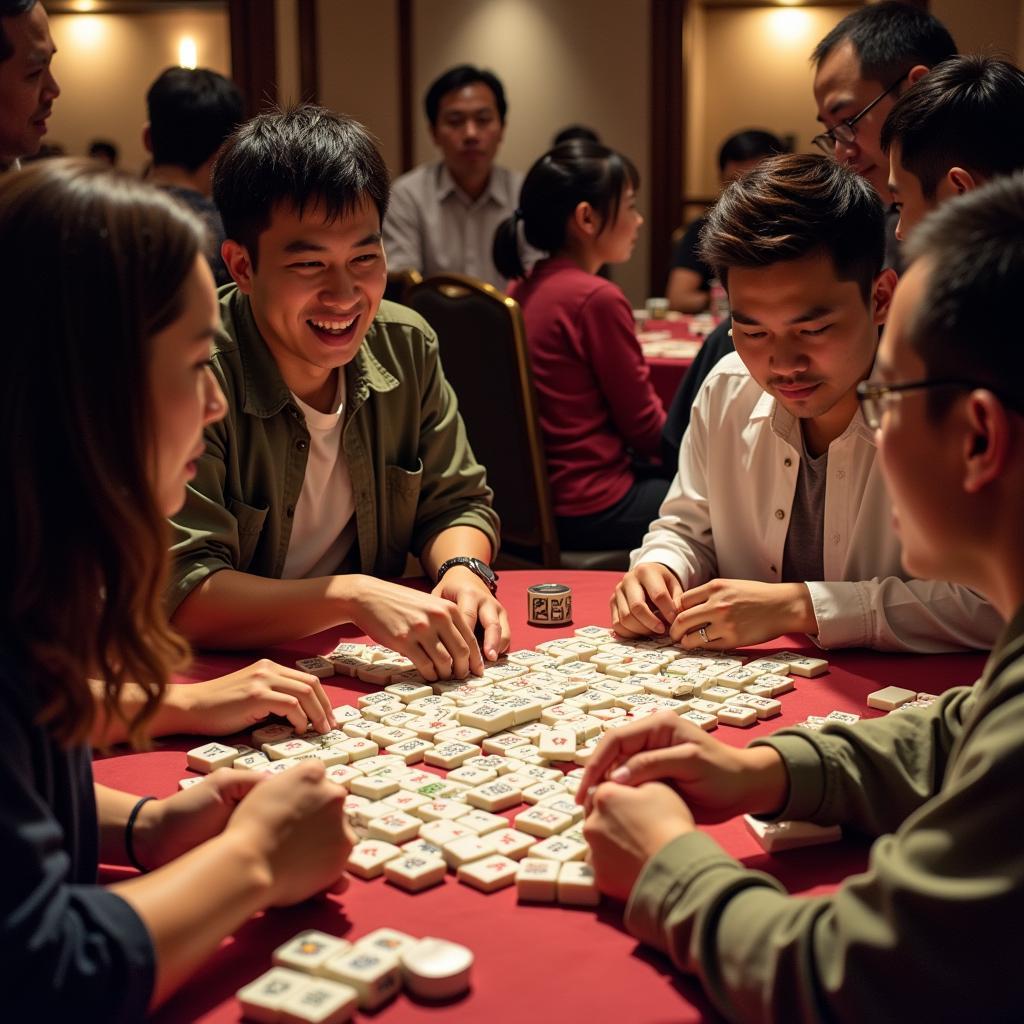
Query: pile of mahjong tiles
(320, 979)
(520, 734)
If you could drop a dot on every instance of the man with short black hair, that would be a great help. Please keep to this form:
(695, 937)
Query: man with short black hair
(951, 132)
(443, 215)
(27, 85)
(860, 69)
(777, 521)
(342, 451)
(191, 112)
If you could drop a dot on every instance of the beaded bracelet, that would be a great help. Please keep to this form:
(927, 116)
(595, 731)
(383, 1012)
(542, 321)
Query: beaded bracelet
(129, 847)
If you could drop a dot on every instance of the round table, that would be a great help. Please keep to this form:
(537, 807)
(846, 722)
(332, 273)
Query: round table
(534, 962)
(670, 345)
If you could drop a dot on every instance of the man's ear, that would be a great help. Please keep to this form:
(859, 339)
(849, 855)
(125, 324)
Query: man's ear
(881, 295)
(986, 446)
(236, 259)
(960, 180)
(147, 138)
(916, 73)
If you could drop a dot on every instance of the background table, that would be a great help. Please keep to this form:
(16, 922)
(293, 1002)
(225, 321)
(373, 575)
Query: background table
(670, 345)
(532, 962)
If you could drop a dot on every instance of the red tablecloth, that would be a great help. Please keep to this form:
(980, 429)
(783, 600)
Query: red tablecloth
(536, 962)
(670, 346)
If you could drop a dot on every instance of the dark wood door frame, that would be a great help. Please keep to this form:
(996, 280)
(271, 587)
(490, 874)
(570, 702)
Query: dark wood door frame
(254, 52)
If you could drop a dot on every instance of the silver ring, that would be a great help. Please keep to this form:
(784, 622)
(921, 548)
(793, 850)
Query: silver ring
(703, 634)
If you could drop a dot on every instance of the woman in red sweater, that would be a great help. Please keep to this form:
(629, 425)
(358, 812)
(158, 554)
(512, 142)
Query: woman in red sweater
(598, 411)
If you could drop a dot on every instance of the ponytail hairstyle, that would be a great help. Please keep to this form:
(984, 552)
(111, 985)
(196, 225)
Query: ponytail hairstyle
(578, 171)
(92, 267)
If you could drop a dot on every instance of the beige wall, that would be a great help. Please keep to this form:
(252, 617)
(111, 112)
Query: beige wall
(105, 63)
(988, 26)
(754, 74)
(287, 64)
(561, 61)
(358, 69)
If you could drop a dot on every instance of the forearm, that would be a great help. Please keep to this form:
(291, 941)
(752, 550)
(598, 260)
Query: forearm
(451, 543)
(171, 717)
(191, 904)
(684, 292)
(234, 610)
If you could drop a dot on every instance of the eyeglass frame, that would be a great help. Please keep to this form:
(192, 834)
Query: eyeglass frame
(871, 395)
(827, 139)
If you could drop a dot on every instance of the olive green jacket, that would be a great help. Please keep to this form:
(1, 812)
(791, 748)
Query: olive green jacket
(413, 472)
(931, 931)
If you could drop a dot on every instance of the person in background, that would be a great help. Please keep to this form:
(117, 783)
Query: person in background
(860, 69)
(109, 376)
(598, 410)
(575, 131)
(342, 452)
(689, 279)
(777, 521)
(104, 151)
(948, 134)
(27, 85)
(936, 788)
(442, 216)
(191, 112)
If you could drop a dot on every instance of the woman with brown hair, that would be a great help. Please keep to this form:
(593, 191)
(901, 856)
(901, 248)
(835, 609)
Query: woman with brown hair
(109, 312)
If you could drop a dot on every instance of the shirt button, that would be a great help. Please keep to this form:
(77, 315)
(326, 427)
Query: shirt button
(787, 462)
(835, 538)
(841, 475)
(773, 569)
(779, 514)
(290, 511)
(302, 444)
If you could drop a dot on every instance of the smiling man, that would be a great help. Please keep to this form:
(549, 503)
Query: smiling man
(342, 450)
(27, 86)
(860, 69)
(443, 215)
(777, 521)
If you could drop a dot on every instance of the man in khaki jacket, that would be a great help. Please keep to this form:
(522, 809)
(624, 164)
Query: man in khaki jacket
(928, 932)
(342, 450)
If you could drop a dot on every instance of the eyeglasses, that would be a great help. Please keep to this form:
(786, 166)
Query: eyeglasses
(875, 398)
(846, 131)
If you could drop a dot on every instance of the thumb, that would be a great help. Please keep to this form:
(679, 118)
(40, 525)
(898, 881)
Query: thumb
(651, 765)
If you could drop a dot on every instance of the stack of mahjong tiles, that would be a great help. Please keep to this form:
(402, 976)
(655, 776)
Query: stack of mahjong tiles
(320, 978)
(520, 734)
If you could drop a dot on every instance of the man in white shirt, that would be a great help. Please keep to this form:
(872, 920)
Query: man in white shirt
(442, 216)
(777, 521)
(27, 86)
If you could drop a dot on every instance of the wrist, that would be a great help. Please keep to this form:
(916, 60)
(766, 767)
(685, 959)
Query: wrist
(142, 835)
(800, 615)
(343, 593)
(244, 848)
(768, 778)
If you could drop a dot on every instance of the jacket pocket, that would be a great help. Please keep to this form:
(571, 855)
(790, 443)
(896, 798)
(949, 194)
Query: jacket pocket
(402, 498)
(250, 522)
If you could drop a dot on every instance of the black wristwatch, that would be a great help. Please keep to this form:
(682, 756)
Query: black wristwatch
(474, 565)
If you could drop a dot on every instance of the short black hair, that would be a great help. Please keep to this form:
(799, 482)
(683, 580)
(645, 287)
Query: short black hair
(751, 144)
(304, 157)
(789, 207)
(103, 148)
(459, 77)
(191, 112)
(11, 9)
(966, 112)
(964, 326)
(889, 39)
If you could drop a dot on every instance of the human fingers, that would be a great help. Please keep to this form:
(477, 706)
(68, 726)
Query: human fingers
(634, 612)
(309, 692)
(497, 631)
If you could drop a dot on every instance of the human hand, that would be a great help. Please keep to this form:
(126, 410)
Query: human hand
(734, 613)
(641, 596)
(427, 629)
(477, 604)
(295, 824)
(626, 827)
(167, 828)
(717, 781)
(236, 701)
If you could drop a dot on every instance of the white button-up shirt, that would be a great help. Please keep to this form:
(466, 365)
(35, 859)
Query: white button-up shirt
(727, 513)
(433, 226)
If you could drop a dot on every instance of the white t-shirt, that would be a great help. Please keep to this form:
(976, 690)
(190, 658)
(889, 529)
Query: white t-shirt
(323, 529)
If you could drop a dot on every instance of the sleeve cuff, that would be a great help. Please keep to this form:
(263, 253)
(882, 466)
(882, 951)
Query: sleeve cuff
(805, 768)
(666, 556)
(665, 879)
(185, 582)
(843, 614)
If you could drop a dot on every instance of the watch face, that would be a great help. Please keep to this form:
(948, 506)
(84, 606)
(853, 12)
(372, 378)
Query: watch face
(484, 569)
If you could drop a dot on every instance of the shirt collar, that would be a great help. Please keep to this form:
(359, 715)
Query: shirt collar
(264, 392)
(497, 190)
